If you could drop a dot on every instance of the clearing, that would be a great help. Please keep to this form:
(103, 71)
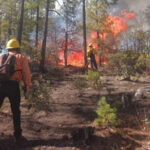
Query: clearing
(72, 109)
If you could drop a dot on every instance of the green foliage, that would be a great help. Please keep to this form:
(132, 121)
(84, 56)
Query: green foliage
(124, 63)
(94, 79)
(68, 12)
(106, 116)
(38, 96)
(9, 19)
(35, 53)
(148, 60)
(141, 63)
(129, 63)
(97, 14)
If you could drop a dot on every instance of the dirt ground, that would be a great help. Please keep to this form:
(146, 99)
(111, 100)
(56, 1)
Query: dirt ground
(72, 110)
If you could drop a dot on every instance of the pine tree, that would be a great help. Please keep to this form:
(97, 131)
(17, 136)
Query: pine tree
(68, 11)
(97, 12)
(106, 116)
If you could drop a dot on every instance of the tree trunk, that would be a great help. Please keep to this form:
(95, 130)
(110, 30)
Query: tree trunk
(0, 32)
(98, 42)
(84, 35)
(44, 39)
(20, 28)
(66, 48)
(98, 49)
(37, 26)
(10, 25)
(55, 38)
(66, 37)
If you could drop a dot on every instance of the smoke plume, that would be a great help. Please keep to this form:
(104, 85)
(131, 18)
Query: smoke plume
(133, 5)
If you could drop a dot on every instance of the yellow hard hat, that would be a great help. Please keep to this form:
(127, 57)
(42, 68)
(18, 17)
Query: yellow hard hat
(90, 45)
(13, 43)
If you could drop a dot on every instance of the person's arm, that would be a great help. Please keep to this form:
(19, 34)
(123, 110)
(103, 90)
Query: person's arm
(88, 53)
(26, 74)
(94, 51)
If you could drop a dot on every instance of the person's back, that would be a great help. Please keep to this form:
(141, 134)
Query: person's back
(21, 64)
(10, 88)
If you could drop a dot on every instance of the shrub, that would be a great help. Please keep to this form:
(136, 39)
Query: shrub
(124, 63)
(94, 78)
(148, 59)
(114, 61)
(106, 116)
(38, 95)
(141, 63)
(148, 62)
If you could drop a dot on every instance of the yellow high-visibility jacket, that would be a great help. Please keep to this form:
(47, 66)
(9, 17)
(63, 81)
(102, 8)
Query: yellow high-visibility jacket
(89, 52)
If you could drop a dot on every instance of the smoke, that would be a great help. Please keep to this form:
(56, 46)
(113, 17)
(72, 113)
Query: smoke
(138, 7)
(132, 5)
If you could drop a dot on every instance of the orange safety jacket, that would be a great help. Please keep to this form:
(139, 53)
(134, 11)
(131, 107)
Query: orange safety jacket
(21, 63)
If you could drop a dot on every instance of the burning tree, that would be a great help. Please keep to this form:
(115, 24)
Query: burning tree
(100, 23)
(97, 14)
(109, 37)
(68, 11)
(74, 55)
(105, 28)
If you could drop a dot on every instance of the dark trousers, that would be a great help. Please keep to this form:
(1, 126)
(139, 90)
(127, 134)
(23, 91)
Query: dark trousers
(93, 64)
(11, 90)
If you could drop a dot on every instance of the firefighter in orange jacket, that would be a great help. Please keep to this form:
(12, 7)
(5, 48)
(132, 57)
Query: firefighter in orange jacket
(91, 57)
(11, 89)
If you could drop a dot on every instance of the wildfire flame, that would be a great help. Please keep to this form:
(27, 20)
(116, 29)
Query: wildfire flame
(74, 58)
(115, 24)
(127, 15)
(118, 25)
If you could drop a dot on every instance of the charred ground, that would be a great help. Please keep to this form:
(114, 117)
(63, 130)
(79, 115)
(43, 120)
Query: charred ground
(73, 111)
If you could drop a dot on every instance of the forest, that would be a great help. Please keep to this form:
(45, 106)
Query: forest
(71, 105)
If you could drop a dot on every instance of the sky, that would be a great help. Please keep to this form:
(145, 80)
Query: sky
(57, 5)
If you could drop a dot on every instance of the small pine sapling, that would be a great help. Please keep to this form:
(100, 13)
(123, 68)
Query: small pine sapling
(94, 79)
(106, 116)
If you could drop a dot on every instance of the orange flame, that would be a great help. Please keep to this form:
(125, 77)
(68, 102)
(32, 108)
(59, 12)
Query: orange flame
(74, 58)
(117, 25)
(127, 15)
(113, 24)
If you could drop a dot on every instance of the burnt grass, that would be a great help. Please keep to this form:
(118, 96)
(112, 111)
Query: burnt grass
(69, 125)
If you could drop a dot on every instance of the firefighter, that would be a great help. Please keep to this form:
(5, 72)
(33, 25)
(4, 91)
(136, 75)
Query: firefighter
(91, 57)
(11, 88)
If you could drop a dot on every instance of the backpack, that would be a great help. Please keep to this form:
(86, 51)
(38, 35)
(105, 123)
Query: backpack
(7, 66)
